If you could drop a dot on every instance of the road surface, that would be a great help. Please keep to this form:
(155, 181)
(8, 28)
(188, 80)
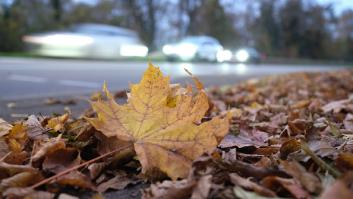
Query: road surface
(22, 78)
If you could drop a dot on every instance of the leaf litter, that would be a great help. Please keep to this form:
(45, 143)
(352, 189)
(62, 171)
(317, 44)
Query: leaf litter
(287, 136)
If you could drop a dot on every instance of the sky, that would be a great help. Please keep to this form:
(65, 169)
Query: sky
(339, 5)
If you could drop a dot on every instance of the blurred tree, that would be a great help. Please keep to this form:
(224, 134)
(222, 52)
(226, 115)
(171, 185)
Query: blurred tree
(316, 38)
(191, 9)
(266, 28)
(292, 26)
(143, 13)
(212, 20)
(344, 41)
(10, 31)
(57, 9)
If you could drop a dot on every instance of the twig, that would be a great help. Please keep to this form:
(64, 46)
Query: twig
(318, 160)
(78, 166)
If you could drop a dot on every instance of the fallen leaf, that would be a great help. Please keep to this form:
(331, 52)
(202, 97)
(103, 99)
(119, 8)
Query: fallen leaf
(272, 182)
(4, 127)
(336, 106)
(23, 179)
(16, 137)
(288, 147)
(202, 188)
(247, 184)
(243, 194)
(299, 126)
(322, 148)
(27, 193)
(348, 122)
(17, 157)
(255, 138)
(341, 189)
(119, 182)
(7, 170)
(197, 82)
(61, 159)
(307, 179)
(344, 161)
(48, 147)
(75, 179)
(4, 149)
(95, 169)
(57, 123)
(169, 190)
(35, 130)
(164, 126)
(230, 156)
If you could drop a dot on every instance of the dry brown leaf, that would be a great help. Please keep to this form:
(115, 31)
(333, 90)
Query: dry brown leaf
(202, 188)
(23, 179)
(27, 193)
(307, 179)
(35, 130)
(119, 182)
(336, 106)
(61, 159)
(340, 189)
(4, 149)
(4, 127)
(17, 157)
(248, 184)
(254, 138)
(348, 122)
(57, 123)
(169, 190)
(95, 169)
(48, 147)
(344, 161)
(273, 182)
(75, 179)
(164, 126)
(288, 147)
(7, 170)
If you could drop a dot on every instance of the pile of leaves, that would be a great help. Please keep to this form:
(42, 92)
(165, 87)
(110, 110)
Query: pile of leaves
(287, 136)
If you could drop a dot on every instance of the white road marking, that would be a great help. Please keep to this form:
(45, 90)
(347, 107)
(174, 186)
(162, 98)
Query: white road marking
(80, 83)
(27, 78)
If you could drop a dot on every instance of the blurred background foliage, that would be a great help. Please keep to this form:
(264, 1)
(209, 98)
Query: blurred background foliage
(278, 28)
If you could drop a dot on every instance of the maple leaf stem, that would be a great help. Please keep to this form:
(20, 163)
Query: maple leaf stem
(319, 161)
(129, 147)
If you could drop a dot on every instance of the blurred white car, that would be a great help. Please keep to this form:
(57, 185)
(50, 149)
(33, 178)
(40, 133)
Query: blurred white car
(87, 41)
(194, 48)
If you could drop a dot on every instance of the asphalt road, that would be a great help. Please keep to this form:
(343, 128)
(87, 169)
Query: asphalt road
(22, 78)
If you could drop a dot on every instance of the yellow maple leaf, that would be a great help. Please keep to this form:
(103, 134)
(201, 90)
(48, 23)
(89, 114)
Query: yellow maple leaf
(57, 123)
(16, 137)
(163, 122)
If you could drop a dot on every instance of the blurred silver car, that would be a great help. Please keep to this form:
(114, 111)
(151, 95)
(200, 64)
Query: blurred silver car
(87, 41)
(194, 48)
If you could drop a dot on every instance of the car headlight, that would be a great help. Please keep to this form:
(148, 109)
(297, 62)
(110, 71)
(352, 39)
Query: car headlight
(242, 55)
(60, 40)
(224, 55)
(168, 49)
(186, 51)
(130, 50)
